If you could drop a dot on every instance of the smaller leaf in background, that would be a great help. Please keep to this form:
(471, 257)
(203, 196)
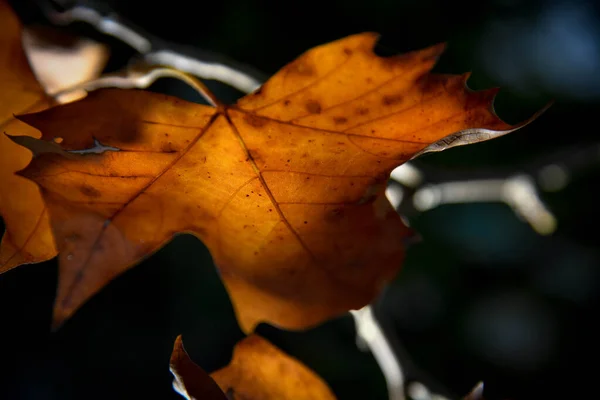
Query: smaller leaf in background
(59, 61)
(27, 238)
(191, 381)
(259, 370)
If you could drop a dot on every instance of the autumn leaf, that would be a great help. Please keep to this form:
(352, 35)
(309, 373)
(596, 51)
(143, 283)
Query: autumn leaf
(28, 237)
(286, 187)
(258, 370)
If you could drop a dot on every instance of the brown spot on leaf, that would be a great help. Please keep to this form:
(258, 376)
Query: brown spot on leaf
(391, 99)
(167, 148)
(340, 120)
(347, 51)
(301, 67)
(362, 111)
(89, 191)
(313, 107)
(255, 120)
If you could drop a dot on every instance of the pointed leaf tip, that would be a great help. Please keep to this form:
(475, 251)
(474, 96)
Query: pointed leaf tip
(191, 381)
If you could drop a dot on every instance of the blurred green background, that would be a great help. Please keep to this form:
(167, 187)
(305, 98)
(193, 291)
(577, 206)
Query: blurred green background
(481, 297)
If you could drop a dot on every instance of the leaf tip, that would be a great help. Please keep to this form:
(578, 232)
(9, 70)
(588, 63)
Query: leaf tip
(434, 52)
(57, 324)
(61, 314)
(177, 347)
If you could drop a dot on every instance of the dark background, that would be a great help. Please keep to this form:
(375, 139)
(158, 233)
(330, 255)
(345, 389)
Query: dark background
(482, 297)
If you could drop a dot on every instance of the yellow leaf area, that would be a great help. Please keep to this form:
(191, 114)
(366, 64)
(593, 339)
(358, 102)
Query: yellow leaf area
(258, 370)
(286, 187)
(27, 238)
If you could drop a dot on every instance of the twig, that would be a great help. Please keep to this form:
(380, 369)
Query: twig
(416, 188)
(370, 333)
(206, 70)
(152, 50)
(135, 78)
(371, 336)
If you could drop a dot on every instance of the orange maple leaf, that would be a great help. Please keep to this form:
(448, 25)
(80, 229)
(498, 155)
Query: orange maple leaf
(286, 187)
(28, 237)
(258, 370)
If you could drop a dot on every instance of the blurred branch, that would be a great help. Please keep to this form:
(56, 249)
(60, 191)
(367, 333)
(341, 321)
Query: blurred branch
(519, 192)
(154, 51)
(215, 71)
(133, 77)
(108, 25)
(416, 188)
(370, 335)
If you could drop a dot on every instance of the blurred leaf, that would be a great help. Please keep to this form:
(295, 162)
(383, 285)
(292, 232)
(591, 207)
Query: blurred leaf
(27, 238)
